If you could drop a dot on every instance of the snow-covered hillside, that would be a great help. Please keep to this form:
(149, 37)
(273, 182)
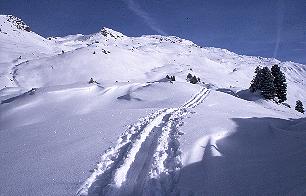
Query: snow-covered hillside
(138, 133)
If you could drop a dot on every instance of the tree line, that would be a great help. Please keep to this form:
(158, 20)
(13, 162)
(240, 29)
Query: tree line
(272, 85)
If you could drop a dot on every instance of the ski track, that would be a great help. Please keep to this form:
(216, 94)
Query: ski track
(145, 158)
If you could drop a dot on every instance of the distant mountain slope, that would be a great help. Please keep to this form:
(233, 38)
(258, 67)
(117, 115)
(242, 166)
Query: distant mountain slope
(137, 132)
(108, 56)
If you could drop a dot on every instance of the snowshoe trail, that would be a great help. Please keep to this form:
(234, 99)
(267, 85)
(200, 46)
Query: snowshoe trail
(145, 158)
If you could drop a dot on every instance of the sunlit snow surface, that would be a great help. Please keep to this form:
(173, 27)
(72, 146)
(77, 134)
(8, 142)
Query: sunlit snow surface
(135, 133)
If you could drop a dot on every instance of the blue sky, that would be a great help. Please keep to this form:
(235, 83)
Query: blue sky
(269, 28)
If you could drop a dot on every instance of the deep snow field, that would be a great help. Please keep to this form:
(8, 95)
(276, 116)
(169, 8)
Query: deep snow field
(133, 132)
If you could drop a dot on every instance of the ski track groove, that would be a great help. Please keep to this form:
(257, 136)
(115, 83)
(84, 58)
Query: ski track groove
(145, 158)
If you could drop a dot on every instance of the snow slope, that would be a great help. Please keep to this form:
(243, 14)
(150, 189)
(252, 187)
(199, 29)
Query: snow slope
(242, 148)
(123, 170)
(145, 58)
(134, 130)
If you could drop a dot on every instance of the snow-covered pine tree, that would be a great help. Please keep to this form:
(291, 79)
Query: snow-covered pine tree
(267, 86)
(193, 80)
(279, 83)
(189, 76)
(299, 106)
(91, 81)
(257, 80)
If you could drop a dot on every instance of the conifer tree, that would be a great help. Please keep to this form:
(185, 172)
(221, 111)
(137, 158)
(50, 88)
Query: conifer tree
(194, 80)
(189, 76)
(257, 80)
(91, 81)
(266, 85)
(299, 106)
(279, 83)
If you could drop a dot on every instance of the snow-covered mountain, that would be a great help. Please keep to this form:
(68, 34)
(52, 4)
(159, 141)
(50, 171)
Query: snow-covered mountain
(223, 141)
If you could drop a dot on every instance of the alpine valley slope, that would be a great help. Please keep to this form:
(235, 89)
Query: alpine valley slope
(134, 130)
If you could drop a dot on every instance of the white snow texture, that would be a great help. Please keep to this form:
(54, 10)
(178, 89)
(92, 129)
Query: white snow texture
(95, 115)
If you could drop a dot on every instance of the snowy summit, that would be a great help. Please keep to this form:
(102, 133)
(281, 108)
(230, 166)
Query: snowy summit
(108, 114)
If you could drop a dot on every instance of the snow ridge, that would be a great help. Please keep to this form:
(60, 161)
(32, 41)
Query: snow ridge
(146, 154)
(17, 22)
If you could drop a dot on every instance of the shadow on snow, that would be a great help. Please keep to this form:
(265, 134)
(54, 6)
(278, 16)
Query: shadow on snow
(264, 156)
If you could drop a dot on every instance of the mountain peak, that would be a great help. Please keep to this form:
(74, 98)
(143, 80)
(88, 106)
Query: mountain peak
(107, 32)
(17, 22)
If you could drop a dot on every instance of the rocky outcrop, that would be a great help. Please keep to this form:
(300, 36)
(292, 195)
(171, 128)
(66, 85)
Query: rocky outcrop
(17, 22)
(106, 32)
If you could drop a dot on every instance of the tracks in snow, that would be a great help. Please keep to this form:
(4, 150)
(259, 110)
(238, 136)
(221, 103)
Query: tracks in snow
(145, 158)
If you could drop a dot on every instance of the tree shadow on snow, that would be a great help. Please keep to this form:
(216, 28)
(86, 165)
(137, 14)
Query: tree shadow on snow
(248, 96)
(242, 94)
(128, 97)
(9, 100)
(265, 156)
(227, 91)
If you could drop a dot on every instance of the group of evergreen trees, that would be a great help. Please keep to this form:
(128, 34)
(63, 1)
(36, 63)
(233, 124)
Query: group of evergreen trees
(271, 84)
(92, 81)
(171, 78)
(193, 79)
(299, 106)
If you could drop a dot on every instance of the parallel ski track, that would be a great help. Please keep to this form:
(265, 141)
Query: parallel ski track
(145, 156)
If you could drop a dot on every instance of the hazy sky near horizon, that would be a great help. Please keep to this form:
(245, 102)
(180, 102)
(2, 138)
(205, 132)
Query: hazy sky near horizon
(269, 28)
